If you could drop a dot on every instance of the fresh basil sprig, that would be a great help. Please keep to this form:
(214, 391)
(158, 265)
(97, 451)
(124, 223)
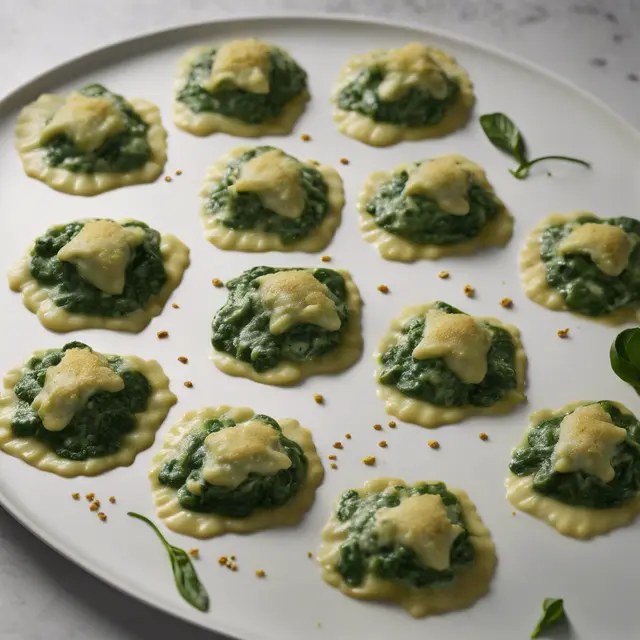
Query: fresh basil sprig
(187, 582)
(625, 357)
(504, 134)
(552, 611)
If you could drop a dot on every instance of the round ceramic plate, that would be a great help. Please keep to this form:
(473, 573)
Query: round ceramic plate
(596, 579)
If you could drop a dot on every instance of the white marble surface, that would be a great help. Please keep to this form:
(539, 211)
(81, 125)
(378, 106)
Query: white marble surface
(595, 43)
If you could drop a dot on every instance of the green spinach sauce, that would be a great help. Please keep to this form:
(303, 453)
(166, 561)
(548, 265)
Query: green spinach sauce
(145, 274)
(416, 108)
(287, 81)
(125, 151)
(535, 458)
(432, 381)
(576, 277)
(255, 492)
(245, 210)
(241, 326)
(95, 431)
(361, 554)
(419, 218)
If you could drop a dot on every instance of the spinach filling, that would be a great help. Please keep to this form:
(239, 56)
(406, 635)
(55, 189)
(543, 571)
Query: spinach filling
(419, 218)
(362, 554)
(145, 274)
(95, 431)
(432, 381)
(125, 151)
(416, 108)
(287, 81)
(536, 458)
(583, 286)
(241, 326)
(255, 492)
(245, 210)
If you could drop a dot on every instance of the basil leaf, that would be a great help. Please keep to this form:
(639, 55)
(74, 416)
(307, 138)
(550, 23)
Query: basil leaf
(184, 573)
(624, 356)
(504, 134)
(552, 611)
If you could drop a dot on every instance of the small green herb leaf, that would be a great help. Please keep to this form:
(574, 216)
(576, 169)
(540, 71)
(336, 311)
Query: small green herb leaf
(504, 134)
(625, 357)
(552, 611)
(187, 582)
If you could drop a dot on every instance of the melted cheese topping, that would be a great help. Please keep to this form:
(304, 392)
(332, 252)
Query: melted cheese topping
(608, 246)
(460, 340)
(445, 179)
(587, 442)
(234, 453)
(411, 66)
(421, 523)
(69, 385)
(87, 121)
(296, 297)
(101, 253)
(245, 63)
(275, 178)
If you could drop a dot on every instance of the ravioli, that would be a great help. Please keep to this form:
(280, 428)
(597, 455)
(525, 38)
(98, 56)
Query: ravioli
(578, 468)
(226, 469)
(244, 88)
(422, 546)
(261, 199)
(414, 92)
(437, 365)
(91, 141)
(99, 274)
(426, 210)
(280, 326)
(75, 412)
(584, 264)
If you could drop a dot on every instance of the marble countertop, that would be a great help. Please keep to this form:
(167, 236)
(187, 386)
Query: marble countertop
(594, 43)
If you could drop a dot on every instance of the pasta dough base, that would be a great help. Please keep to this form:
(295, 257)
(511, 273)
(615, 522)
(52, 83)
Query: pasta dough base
(256, 241)
(38, 455)
(430, 415)
(496, 233)
(36, 298)
(383, 134)
(208, 525)
(32, 120)
(206, 123)
(569, 520)
(471, 583)
(533, 274)
(288, 372)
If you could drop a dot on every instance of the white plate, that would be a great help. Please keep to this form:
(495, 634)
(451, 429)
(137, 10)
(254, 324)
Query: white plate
(596, 579)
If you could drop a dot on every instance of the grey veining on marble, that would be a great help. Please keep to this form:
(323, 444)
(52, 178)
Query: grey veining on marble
(594, 43)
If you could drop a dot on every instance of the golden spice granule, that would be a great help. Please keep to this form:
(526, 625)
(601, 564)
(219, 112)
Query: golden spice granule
(382, 288)
(309, 554)
(383, 444)
(112, 499)
(443, 275)
(392, 424)
(483, 436)
(90, 496)
(377, 427)
(344, 160)
(168, 178)
(469, 291)
(162, 335)
(333, 465)
(233, 566)
(332, 457)
(563, 333)
(513, 513)
(326, 258)
(222, 560)
(188, 384)
(194, 553)
(102, 516)
(95, 505)
(507, 303)
(260, 573)
(75, 496)
(319, 398)
(434, 444)
(175, 305)
(347, 436)
(337, 445)
(369, 460)
(178, 172)
(216, 282)
(305, 137)
(183, 359)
